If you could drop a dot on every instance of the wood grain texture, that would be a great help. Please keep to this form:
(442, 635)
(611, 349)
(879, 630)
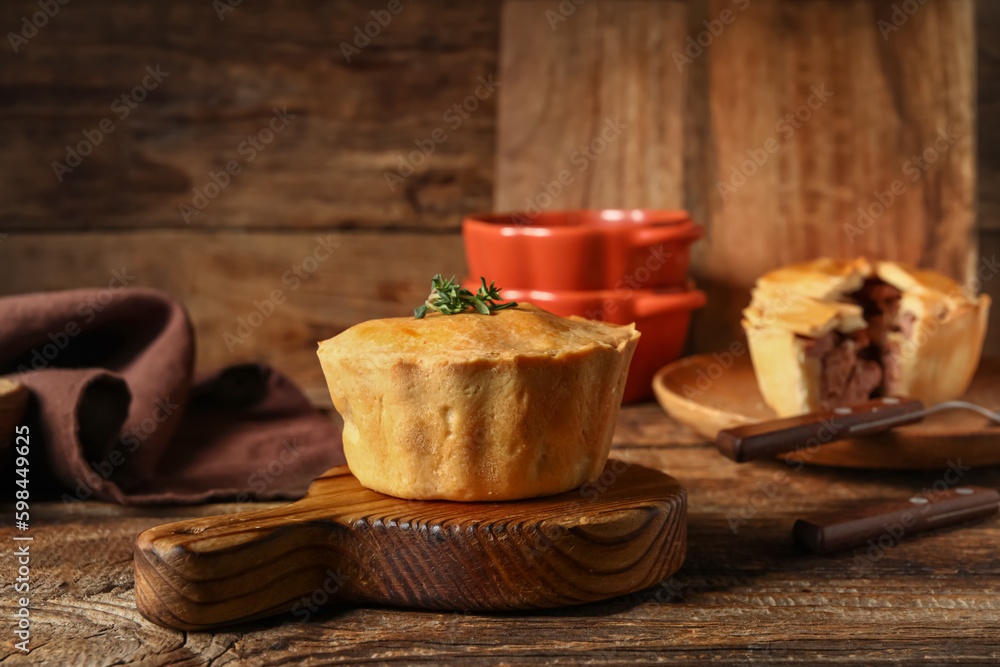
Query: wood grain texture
(846, 101)
(702, 393)
(225, 278)
(745, 595)
(989, 280)
(988, 128)
(326, 171)
(360, 546)
(988, 110)
(353, 121)
(591, 89)
(714, 128)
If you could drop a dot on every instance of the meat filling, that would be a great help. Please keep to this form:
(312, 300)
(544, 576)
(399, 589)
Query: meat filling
(880, 303)
(858, 366)
(846, 376)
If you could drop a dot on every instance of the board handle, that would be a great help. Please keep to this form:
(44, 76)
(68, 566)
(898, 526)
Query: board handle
(884, 524)
(210, 572)
(765, 440)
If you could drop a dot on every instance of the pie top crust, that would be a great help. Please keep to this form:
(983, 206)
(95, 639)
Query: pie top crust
(811, 298)
(524, 331)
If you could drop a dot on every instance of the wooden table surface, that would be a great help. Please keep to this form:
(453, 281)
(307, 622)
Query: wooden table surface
(745, 595)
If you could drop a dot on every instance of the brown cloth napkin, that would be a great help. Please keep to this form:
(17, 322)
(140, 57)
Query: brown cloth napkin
(117, 414)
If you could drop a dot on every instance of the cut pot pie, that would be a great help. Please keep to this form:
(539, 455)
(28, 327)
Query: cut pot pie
(832, 333)
(515, 404)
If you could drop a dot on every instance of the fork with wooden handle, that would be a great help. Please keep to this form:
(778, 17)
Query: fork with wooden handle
(768, 439)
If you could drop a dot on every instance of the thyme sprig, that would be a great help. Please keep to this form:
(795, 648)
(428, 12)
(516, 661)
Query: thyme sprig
(450, 298)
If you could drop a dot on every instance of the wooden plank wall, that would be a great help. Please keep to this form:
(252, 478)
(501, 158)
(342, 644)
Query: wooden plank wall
(988, 147)
(319, 184)
(859, 98)
(796, 114)
(594, 92)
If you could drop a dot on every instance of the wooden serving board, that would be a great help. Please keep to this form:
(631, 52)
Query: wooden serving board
(707, 396)
(343, 542)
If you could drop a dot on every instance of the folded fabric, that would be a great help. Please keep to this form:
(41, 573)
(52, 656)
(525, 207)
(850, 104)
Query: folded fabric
(117, 414)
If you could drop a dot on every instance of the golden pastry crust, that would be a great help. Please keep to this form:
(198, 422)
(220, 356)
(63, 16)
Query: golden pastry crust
(937, 354)
(823, 279)
(808, 298)
(790, 311)
(788, 379)
(941, 354)
(517, 404)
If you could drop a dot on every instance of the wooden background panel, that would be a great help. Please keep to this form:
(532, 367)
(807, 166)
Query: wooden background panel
(988, 282)
(317, 172)
(353, 120)
(596, 92)
(988, 105)
(814, 109)
(988, 145)
(326, 171)
(883, 101)
(222, 277)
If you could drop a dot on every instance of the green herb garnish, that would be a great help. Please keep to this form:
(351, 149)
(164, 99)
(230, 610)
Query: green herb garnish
(450, 298)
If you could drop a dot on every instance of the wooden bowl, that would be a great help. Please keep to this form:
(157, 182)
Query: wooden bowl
(712, 392)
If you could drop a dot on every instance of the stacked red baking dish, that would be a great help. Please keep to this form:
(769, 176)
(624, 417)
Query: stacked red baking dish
(619, 266)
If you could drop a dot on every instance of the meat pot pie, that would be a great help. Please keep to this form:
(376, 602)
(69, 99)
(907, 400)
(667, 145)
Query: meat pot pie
(832, 333)
(472, 407)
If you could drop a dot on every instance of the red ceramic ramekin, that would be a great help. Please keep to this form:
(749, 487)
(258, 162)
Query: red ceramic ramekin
(581, 250)
(661, 315)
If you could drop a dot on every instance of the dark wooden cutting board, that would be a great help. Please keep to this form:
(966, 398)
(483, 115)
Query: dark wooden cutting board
(343, 542)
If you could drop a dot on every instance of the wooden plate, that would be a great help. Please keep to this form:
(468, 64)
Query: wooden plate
(712, 392)
(343, 542)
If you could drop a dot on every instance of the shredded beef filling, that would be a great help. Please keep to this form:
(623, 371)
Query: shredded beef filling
(846, 376)
(880, 303)
(859, 366)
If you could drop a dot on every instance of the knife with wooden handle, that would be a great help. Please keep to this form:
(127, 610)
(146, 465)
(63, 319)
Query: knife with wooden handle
(765, 440)
(883, 524)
